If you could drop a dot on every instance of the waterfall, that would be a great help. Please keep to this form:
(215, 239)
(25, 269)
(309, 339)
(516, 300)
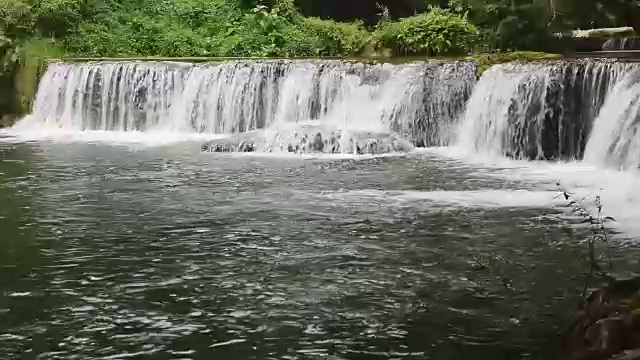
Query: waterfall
(615, 139)
(540, 110)
(420, 100)
(563, 109)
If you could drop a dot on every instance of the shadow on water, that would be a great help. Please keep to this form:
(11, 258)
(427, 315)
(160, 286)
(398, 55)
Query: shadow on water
(115, 253)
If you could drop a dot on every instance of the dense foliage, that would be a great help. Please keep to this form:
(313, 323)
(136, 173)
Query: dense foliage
(528, 24)
(433, 33)
(178, 28)
(277, 28)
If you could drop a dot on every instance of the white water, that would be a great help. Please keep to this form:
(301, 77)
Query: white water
(537, 110)
(615, 139)
(532, 111)
(236, 97)
(540, 184)
(485, 127)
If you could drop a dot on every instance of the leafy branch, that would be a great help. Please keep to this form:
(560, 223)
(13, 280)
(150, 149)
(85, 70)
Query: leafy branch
(599, 233)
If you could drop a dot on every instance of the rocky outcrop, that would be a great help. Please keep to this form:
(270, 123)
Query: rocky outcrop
(312, 140)
(7, 120)
(607, 325)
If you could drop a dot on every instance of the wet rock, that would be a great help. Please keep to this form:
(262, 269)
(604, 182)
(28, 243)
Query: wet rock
(607, 325)
(328, 142)
(318, 144)
(7, 120)
(230, 146)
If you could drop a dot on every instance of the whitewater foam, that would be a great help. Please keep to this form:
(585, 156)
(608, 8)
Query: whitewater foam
(615, 139)
(569, 110)
(150, 138)
(539, 110)
(241, 96)
(492, 198)
(617, 189)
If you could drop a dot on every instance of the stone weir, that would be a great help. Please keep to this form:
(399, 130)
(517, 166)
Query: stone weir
(546, 110)
(419, 101)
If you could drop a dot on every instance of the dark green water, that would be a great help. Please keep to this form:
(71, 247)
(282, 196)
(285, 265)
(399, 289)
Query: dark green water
(165, 253)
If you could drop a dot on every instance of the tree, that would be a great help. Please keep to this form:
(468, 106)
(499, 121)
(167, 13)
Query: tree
(16, 19)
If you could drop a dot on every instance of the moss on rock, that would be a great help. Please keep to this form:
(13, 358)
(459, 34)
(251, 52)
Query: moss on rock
(485, 61)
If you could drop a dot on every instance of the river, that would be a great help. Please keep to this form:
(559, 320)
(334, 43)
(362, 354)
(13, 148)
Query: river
(122, 239)
(115, 251)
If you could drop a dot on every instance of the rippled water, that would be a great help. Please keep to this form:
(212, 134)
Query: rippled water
(122, 252)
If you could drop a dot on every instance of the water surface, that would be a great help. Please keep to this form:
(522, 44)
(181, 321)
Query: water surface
(164, 252)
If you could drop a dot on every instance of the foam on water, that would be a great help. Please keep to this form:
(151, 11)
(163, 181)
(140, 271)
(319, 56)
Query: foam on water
(583, 113)
(617, 189)
(150, 138)
(469, 199)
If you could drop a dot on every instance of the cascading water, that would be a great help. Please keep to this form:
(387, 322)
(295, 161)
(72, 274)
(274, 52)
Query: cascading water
(539, 110)
(419, 100)
(615, 139)
(109, 96)
(544, 110)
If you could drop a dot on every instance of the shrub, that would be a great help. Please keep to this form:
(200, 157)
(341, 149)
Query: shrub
(335, 38)
(263, 32)
(16, 18)
(438, 32)
(57, 17)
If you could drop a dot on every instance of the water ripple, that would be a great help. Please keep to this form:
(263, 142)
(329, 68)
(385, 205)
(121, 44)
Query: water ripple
(114, 254)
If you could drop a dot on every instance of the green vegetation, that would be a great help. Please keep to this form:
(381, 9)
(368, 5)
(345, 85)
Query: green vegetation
(437, 32)
(33, 30)
(259, 28)
(512, 25)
